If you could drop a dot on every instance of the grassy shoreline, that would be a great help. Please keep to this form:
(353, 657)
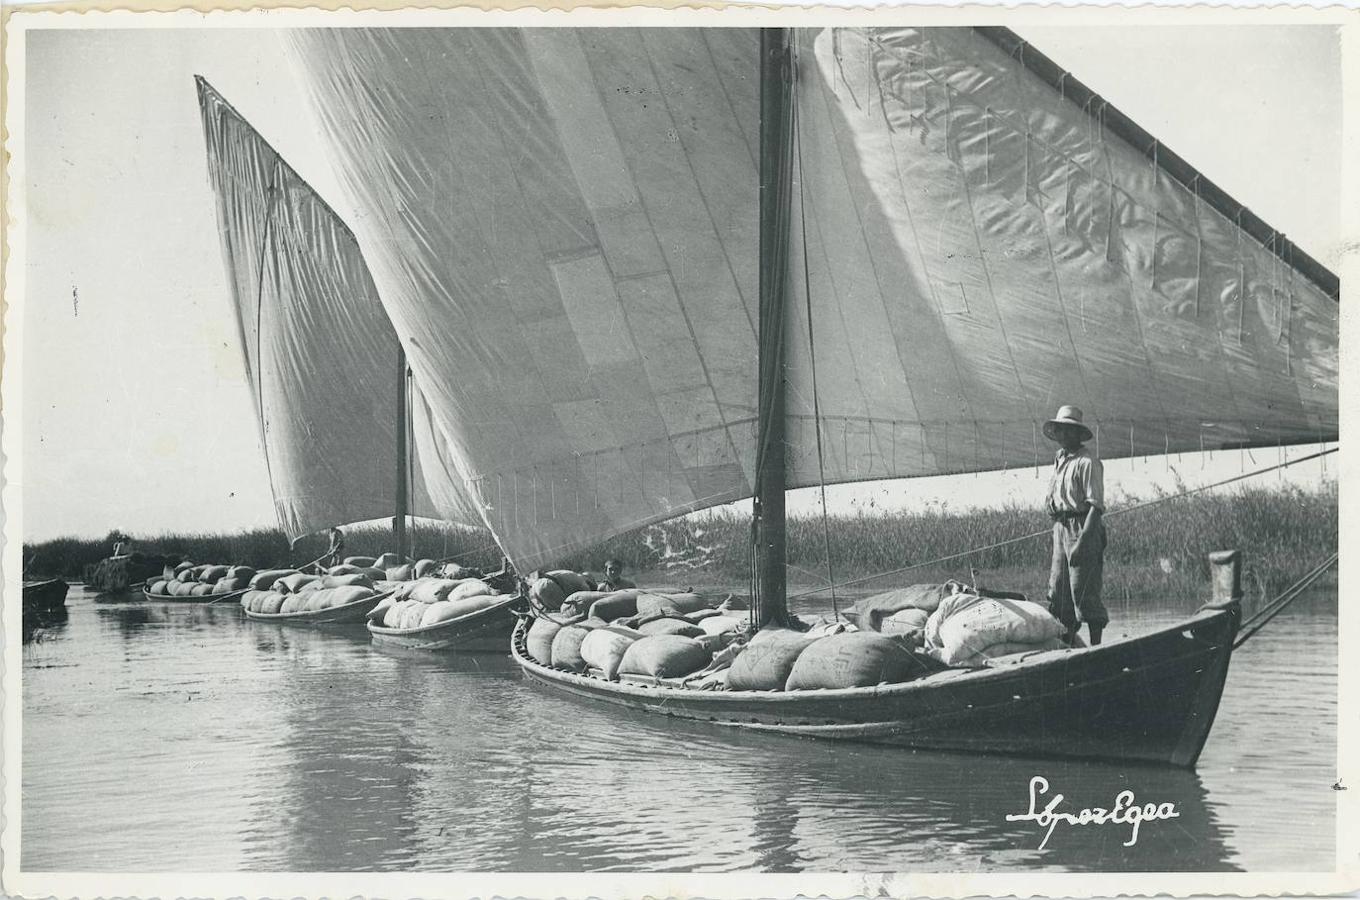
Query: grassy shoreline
(1156, 549)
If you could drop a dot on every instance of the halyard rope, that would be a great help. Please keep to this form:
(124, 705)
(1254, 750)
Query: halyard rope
(812, 360)
(1262, 618)
(1046, 531)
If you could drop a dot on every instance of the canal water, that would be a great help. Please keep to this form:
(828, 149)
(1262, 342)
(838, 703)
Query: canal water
(163, 737)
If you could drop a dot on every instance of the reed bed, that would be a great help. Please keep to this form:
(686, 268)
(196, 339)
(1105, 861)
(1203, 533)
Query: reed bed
(1160, 549)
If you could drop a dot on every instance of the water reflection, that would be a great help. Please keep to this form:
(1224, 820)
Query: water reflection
(229, 744)
(44, 624)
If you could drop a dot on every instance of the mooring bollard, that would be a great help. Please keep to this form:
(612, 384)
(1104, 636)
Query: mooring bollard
(1225, 569)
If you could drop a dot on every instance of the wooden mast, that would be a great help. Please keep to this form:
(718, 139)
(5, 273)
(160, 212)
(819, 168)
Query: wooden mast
(776, 163)
(403, 476)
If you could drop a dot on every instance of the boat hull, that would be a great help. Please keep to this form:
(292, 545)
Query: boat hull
(349, 614)
(1150, 699)
(45, 596)
(484, 630)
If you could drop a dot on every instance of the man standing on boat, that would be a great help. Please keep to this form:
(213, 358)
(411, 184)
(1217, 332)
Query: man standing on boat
(335, 550)
(1076, 503)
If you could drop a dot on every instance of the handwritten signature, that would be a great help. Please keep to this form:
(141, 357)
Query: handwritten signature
(1126, 811)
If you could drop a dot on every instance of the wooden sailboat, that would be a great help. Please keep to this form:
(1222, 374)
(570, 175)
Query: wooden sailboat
(1147, 699)
(318, 350)
(317, 342)
(624, 335)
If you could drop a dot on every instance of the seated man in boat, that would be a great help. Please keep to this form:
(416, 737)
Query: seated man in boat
(1076, 503)
(613, 577)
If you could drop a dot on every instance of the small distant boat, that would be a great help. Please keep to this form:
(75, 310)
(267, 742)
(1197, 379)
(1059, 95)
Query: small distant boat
(350, 613)
(485, 629)
(44, 596)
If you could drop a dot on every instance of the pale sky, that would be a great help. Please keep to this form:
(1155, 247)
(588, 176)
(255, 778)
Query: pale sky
(137, 412)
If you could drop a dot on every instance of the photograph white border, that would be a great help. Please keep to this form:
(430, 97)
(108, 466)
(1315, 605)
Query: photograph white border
(19, 22)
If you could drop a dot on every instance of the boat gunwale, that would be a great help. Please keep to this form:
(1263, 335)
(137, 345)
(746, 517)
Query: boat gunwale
(384, 631)
(952, 676)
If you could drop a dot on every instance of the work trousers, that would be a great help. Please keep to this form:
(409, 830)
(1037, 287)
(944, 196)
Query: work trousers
(1074, 585)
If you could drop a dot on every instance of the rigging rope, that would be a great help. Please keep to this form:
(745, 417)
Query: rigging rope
(812, 358)
(271, 194)
(1046, 531)
(1262, 618)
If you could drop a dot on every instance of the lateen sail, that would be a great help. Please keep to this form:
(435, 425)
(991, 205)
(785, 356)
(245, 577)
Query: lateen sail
(320, 352)
(562, 225)
(982, 246)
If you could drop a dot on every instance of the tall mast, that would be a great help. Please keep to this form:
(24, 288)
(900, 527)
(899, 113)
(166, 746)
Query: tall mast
(403, 476)
(776, 163)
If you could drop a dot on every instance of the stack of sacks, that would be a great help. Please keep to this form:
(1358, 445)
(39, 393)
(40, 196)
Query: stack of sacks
(190, 580)
(672, 639)
(767, 660)
(967, 630)
(551, 590)
(832, 657)
(430, 601)
(904, 611)
(237, 578)
(394, 567)
(855, 659)
(292, 584)
(372, 573)
(313, 594)
(457, 572)
(263, 581)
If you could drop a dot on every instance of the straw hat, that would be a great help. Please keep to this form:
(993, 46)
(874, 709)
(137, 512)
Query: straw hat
(1067, 415)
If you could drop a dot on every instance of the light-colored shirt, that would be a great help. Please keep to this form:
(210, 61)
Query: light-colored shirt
(1078, 481)
(618, 584)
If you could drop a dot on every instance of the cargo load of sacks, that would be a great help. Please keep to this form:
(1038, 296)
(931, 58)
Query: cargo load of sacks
(391, 567)
(630, 632)
(708, 649)
(960, 627)
(189, 580)
(278, 591)
(431, 601)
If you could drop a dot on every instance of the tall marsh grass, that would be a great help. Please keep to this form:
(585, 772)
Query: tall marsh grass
(1158, 549)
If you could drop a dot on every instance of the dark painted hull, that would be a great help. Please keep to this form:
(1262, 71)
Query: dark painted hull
(485, 630)
(44, 596)
(1150, 699)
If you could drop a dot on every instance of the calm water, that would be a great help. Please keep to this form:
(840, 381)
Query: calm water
(161, 737)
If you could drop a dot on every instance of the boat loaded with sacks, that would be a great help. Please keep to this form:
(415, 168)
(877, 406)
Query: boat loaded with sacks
(642, 272)
(455, 609)
(188, 583)
(1149, 699)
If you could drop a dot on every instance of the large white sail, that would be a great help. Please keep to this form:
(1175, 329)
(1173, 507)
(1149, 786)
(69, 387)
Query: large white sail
(320, 353)
(986, 240)
(562, 225)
